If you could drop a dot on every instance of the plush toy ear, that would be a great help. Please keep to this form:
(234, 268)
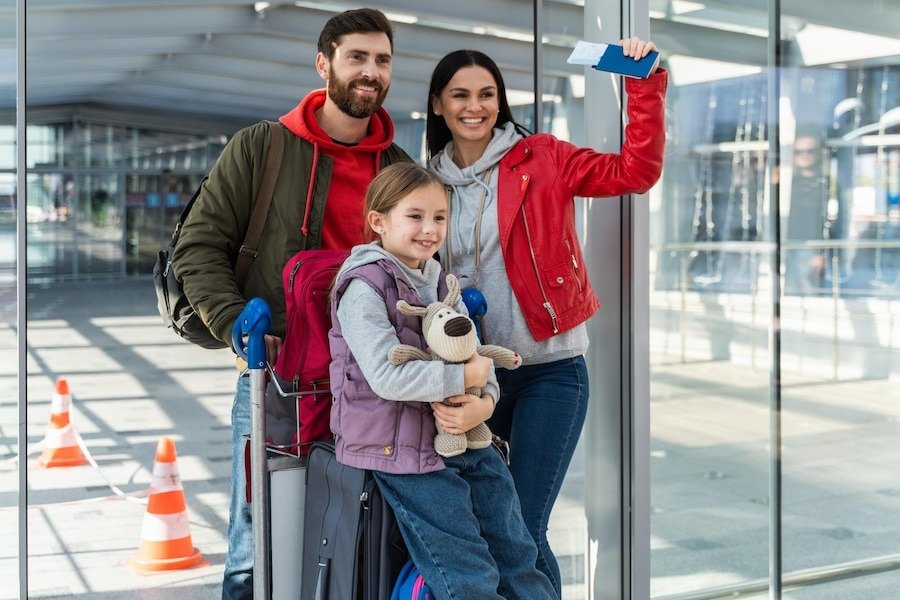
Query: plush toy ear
(452, 291)
(408, 309)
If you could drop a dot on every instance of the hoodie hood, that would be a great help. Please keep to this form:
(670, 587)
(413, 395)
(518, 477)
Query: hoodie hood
(451, 174)
(302, 122)
(424, 281)
(360, 162)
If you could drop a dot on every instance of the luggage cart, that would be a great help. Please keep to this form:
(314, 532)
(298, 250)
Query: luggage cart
(277, 471)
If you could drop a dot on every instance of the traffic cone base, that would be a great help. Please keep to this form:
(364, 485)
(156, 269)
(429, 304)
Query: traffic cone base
(151, 555)
(166, 536)
(61, 447)
(68, 456)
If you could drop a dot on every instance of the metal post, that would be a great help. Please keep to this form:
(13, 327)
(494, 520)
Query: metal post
(21, 295)
(754, 289)
(773, 76)
(254, 322)
(836, 299)
(538, 64)
(682, 319)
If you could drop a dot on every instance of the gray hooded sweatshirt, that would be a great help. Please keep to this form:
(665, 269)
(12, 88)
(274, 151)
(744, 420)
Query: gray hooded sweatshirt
(504, 322)
(370, 336)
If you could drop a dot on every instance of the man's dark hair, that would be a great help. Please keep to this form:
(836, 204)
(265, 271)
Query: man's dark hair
(360, 20)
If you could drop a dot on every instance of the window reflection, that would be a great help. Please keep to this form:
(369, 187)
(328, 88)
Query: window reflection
(712, 310)
(80, 223)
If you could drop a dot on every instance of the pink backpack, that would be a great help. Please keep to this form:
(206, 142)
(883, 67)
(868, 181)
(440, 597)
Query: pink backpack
(303, 362)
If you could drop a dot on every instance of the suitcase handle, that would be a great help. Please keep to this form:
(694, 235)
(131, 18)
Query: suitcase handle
(322, 579)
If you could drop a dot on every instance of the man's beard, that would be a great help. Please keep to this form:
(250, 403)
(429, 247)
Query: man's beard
(342, 95)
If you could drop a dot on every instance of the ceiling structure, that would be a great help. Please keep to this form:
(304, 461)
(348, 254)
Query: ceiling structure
(248, 60)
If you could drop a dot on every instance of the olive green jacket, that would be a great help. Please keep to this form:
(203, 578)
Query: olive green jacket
(215, 228)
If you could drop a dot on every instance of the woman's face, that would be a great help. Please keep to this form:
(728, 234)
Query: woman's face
(469, 105)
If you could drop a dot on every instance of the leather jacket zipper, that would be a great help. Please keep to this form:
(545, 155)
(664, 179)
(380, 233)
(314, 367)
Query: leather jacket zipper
(547, 306)
(574, 263)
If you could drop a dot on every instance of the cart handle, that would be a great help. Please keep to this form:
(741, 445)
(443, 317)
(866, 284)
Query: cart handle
(254, 322)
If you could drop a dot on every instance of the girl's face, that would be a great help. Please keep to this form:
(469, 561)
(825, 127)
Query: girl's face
(414, 229)
(469, 105)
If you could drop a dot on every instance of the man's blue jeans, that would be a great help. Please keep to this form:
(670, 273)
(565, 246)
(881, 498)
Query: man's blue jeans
(541, 412)
(464, 530)
(238, 580)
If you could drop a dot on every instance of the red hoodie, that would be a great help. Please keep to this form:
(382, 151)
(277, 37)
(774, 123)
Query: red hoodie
(353, 167)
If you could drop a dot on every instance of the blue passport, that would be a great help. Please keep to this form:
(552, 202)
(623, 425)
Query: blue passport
(611, 58)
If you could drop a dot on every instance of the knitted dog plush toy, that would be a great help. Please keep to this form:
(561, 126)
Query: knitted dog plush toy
(451, 337)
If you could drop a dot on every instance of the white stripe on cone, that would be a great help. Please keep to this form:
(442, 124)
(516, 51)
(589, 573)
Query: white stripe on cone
(61, 438)
(162, 528)
(60, 404)
(165, 477)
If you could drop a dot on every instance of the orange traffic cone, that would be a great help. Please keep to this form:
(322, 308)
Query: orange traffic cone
(61, 447)
(166, 537)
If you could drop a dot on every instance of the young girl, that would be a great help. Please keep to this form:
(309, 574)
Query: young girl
(459, 516)
(513, 237)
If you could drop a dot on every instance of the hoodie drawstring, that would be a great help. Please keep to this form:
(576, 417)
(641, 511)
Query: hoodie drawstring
(304, 228)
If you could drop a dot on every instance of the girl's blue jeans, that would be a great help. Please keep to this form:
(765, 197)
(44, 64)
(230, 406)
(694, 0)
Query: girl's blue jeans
(464, 530)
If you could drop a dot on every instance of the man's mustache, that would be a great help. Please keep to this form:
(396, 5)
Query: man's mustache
(368, 83)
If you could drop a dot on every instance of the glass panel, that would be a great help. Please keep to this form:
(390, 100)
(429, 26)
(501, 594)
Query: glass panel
(9, 327)
(51, 217)
(99, 144)
(51, 145)
(7, 146)
(840, 198)
(152, 206)
(562, 115)
(100, 227)
(160, 150)
(710, 303)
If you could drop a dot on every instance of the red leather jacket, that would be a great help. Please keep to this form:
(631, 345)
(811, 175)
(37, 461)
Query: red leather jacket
(538, 180)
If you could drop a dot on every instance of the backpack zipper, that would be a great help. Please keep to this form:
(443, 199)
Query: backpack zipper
(294, 270)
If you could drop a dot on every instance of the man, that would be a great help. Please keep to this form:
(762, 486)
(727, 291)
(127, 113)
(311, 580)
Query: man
(336, 140)
(808, 217)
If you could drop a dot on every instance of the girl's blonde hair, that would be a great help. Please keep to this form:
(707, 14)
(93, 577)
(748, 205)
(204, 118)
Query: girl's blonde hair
(392, 185)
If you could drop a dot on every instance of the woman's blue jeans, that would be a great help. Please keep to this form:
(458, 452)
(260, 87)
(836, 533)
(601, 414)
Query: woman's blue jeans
(237, 583)
(541, 412)
(464, 530)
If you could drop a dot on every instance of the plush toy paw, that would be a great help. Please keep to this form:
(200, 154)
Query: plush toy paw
(450, 444)
(478, 437)
(403, 353)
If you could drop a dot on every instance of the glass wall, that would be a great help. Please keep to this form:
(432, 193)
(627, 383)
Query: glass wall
(103, 198)
(10, 519)
(744, 341)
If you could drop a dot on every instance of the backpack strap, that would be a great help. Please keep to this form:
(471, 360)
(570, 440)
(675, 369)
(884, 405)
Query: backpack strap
(250, 248)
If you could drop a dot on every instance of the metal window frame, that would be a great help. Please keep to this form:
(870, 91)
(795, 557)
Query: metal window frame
(617, 431)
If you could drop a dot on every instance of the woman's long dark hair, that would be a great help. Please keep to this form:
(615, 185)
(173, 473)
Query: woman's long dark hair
(437, 134)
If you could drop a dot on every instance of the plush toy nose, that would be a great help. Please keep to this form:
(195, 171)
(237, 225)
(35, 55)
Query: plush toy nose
(458, 327)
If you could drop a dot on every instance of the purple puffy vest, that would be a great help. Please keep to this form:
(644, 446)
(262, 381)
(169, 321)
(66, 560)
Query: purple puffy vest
(370, 432)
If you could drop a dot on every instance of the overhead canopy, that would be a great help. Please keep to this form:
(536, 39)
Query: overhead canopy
(249, 60)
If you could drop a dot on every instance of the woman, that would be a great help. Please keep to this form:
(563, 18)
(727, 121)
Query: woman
(512, 236)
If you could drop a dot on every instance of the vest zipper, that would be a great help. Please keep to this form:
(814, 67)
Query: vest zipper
(547, 306)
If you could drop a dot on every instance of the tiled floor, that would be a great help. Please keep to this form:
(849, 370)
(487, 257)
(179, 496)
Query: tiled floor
(133, 381)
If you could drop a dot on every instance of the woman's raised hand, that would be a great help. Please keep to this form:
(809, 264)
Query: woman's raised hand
(636, 47)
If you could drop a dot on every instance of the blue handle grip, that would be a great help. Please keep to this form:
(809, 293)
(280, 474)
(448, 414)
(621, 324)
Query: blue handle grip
(476, 304)
(254, 322)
